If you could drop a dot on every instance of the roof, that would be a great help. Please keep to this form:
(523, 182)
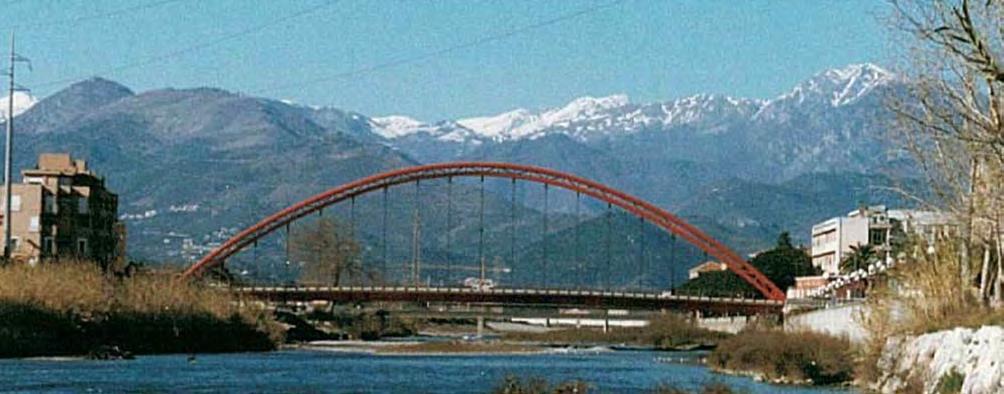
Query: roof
(58, 164)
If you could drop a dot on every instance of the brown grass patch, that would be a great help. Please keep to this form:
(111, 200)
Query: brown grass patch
(784, 356)
(153, 313)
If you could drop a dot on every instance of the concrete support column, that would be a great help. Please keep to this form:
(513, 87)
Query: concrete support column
(481, 326)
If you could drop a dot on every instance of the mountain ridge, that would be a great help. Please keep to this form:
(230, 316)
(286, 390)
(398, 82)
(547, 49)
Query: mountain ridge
(230, 159)
(838, 87)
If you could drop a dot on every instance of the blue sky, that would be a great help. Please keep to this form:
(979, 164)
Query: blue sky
(650, 50)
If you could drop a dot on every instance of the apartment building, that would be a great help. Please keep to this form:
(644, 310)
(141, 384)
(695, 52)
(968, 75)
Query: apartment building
(873, 225)
(62, 210)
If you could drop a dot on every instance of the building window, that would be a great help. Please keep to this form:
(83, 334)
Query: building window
(34, 180)
(15, 242)
(82, 205)
(15, 203)
(48, 246)
(82, 246)
(33, 224)
(877, 237)
(50, 204)
(65, 181)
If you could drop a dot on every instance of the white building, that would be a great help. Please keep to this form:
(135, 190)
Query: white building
(875, 225)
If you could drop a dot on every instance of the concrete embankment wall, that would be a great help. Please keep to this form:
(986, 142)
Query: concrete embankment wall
(730, 325)
(836, 320)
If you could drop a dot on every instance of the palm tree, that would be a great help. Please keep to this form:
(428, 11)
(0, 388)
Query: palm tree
(860, 256)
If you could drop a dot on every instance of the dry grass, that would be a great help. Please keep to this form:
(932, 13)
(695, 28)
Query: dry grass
(79, 287)
(70, 287)
(665, 332)
(924, 294)
(784, 356)
(150, 312)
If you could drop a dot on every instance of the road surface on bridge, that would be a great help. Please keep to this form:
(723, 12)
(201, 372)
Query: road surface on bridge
(516, 296)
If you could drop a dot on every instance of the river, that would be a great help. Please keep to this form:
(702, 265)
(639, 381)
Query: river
(325, 371)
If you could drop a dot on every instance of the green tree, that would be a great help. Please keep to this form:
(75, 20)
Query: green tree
(717, 284)
(859, 257)
(781, 265)
(784, 241)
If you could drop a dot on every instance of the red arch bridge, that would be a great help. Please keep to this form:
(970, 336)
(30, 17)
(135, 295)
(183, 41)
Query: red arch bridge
(547, 282)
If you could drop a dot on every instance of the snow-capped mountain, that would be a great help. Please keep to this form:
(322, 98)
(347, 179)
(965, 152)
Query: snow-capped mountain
(589, 118)
(743, 168)
(22, 102)
(830, 89)
(396, 126)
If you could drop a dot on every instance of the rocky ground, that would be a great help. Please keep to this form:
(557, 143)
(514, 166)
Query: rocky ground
(963, 359)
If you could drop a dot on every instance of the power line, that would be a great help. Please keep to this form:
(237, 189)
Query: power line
(100, 15)
(195, 47)
(439, 52)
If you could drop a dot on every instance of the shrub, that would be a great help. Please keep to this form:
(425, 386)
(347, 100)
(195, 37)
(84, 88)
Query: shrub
(950, 383)
(535, 385)
(707, 388)
(779, 355)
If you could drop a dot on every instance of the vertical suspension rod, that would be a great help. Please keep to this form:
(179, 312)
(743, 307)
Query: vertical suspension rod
(512, 223)
(641, 252)
(352, 233)
(578, 255)
(352, 216)
(449, 229)
(672, 265)
(543, 245)
(287, 243)
(383, 264)
(254, 254)
(416, 267)
(481, 224)
(606, 276)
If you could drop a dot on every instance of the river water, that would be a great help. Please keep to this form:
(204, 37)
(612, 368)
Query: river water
(325, 371)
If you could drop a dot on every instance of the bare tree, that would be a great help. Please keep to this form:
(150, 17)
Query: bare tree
(951, 121)
(326, 251)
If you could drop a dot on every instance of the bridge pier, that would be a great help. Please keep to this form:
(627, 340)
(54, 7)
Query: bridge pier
(481, 326)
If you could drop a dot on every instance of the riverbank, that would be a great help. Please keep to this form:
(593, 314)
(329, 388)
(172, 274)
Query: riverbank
(425, 347)
(957, 360)
(776, 356)
(669, 332)
(73, 309)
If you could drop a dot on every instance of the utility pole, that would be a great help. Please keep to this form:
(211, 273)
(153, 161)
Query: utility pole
(7, 156)
(9, 149)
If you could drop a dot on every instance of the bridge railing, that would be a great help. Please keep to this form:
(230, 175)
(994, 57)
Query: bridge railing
(502, 291)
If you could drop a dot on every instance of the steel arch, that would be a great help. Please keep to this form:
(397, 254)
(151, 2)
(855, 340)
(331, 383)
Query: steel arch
(636, 206)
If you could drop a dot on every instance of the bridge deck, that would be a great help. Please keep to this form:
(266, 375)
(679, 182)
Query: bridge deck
(517, 296)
